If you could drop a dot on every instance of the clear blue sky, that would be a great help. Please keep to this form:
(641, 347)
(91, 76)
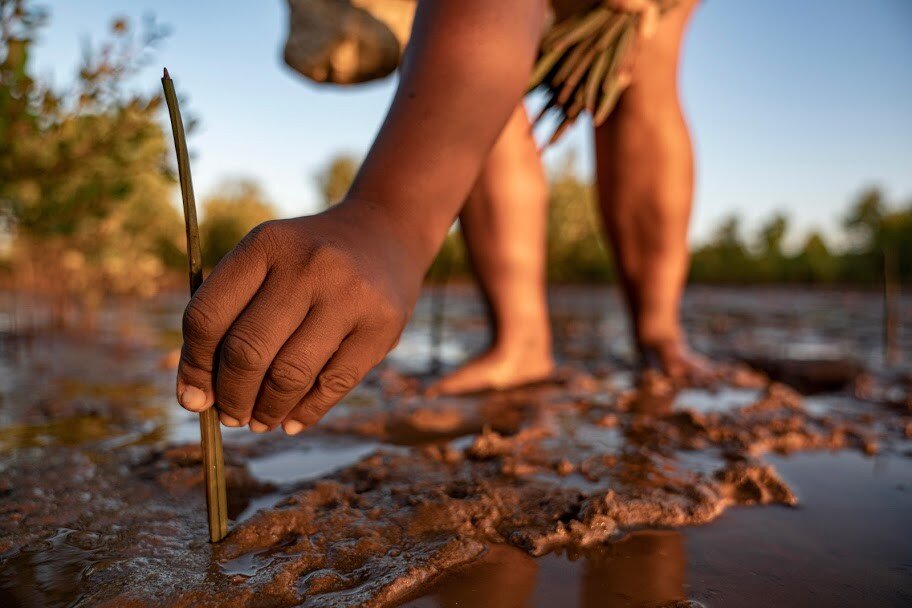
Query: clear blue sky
(795, 106)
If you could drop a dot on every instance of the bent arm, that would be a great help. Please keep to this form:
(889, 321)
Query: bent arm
(465, 70)
(294, 317)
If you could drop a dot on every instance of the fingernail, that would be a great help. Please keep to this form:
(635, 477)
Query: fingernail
(258, 427)
(192, 398)
(293, 427)
(228, 420)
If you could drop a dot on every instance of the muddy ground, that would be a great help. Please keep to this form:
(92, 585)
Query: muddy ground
(588, 491)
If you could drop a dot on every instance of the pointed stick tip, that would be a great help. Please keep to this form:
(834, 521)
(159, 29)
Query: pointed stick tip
(166, 75)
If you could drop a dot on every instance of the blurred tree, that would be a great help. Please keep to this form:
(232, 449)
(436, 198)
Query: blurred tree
(865, 217)
(814, 263)
(576, 251)
(772, 233)
(873, 230)
(896, 237)
(771, 261)
(229, 214)
(725, 258)
(334, 179)
(451, 261)
(83, 176)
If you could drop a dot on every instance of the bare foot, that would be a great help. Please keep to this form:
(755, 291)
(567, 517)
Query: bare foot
(496, 369)
(679, 363)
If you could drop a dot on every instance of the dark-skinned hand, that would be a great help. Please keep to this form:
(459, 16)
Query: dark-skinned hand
(295, 316)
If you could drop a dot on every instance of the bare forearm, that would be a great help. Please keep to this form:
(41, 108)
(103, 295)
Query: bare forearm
(294, 317)
(465, 70)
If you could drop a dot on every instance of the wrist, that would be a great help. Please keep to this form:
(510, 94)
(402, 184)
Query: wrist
(415, 234)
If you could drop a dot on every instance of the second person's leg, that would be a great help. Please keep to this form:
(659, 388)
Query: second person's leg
(503, 223)
(644, 162)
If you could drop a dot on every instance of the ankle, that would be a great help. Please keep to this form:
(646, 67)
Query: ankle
(658, 334)
(518, 342)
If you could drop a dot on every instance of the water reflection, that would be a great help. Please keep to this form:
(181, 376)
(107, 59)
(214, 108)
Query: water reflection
(46, 573)
(100, 393)
(646, 568)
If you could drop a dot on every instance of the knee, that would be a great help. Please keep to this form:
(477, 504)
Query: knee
(533, 189)
(519, 186)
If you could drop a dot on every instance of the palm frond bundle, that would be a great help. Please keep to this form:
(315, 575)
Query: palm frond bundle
(580, 61)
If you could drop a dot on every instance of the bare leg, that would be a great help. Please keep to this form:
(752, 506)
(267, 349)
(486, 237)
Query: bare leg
(503, 223)
(644, 162)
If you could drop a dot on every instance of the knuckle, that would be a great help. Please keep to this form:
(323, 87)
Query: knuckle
(229, 403)
(288, 377)
(265, 234)
(198, 318)
(310, 412)
(267, 412)
(389, 313)
(380, 356)
(384, 307)
(242, 352)
(233, 409)
(363, 285)
(386, 319)
(329, 255)
(193, 367)
(339, 379)
(394, 342)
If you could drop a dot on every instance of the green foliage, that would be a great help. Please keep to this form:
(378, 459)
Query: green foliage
(725, 257)
(576, 251)
(229, 214)
(451, 261)
(334, 179)
(814, 263)
(866, 215)
(872, 229)
(85, 193)
(82, 170)
(876, 227)
(771, 261)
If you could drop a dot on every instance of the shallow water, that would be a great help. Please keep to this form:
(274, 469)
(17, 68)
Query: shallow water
(846, 545)
(493, 500)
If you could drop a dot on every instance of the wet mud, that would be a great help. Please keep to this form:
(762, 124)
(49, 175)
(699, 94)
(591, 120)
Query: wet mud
(399, 499)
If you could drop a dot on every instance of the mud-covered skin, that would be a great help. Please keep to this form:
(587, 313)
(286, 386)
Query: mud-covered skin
(115, 516)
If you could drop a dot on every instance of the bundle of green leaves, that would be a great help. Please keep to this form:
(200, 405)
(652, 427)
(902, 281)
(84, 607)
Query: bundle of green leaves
(583, 60)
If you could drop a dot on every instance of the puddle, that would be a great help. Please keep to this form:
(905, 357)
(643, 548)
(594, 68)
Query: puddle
(749, 558)
(720, 400)
(316, 460)
(45, 573)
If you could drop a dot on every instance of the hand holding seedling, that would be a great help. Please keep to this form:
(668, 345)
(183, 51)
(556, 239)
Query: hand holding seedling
(295, 316)
(299, 312)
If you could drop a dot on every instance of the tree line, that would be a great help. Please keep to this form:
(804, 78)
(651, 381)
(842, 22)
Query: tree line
(577, 252)
(87, 194)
